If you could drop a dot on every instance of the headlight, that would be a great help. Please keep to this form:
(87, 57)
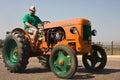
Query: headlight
(73, 30)
(94, 32)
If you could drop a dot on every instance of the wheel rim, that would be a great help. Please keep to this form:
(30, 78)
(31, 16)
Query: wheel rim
(94, 60)
(61, 63)
(11, 52)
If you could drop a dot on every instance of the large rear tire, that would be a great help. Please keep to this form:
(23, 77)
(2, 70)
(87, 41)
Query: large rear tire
(96, 60)
(16, 52)
(63, 61)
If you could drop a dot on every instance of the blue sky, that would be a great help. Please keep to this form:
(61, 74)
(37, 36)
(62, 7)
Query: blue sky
(103, 14)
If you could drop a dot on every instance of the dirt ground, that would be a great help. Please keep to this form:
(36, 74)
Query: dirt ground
(34, 71)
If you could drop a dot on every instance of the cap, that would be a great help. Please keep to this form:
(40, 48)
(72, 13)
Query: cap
(32, 8)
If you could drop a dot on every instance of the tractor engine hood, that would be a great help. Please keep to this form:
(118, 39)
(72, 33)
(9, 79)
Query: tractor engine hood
(78, 21)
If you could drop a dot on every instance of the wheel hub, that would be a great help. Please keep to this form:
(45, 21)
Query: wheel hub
(93, 58)
(15, 51)
(61, 62)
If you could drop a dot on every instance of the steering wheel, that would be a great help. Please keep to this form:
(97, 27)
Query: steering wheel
(44, 22)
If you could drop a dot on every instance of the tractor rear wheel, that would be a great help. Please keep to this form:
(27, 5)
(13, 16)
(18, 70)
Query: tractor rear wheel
(16, 52)
(63, 61)
(96, 60)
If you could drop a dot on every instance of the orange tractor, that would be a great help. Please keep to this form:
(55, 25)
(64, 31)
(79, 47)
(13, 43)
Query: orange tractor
(57, 44)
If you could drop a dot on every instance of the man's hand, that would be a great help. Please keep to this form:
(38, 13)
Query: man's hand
(29, 25)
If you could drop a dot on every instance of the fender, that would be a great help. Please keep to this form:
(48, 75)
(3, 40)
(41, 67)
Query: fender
(22, 31)
(25, 34)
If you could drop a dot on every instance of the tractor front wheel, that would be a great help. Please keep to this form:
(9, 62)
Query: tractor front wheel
(63, 61)
(96, 60)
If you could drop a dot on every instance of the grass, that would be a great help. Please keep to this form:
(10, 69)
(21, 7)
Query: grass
(116, 51)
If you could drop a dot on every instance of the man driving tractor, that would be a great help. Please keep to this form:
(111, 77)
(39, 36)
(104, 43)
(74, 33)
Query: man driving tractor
(31, 21)
(58, 47)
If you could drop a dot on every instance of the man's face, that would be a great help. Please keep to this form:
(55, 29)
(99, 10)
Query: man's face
(32, 12)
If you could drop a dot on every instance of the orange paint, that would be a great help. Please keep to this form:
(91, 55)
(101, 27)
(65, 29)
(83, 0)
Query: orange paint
(75, 41)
